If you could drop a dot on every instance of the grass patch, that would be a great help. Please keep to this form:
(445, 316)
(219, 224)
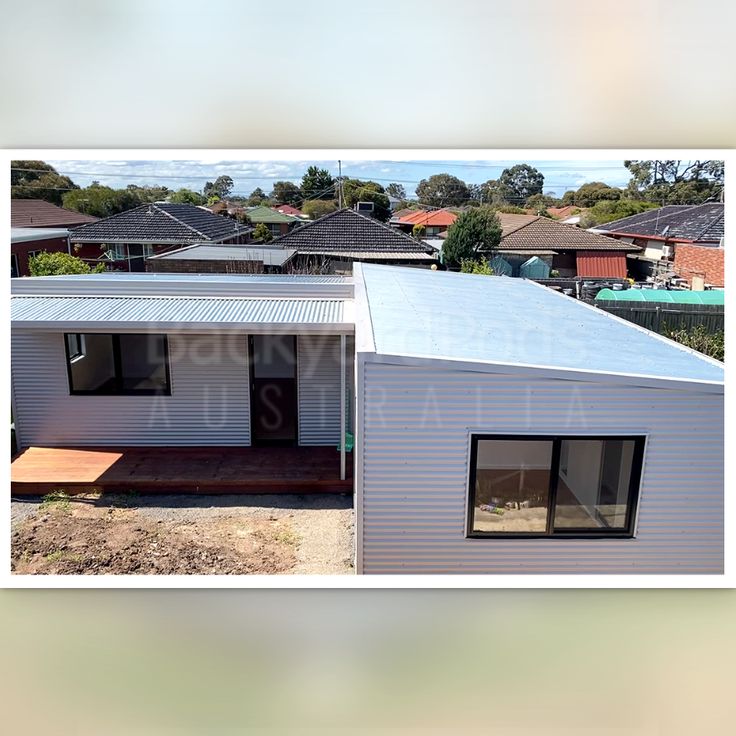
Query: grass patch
(55, 500)
(287, 536)
(62, 556)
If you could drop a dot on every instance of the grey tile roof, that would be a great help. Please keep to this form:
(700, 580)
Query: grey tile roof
(160, 223)
(699, 223)
(347, 230)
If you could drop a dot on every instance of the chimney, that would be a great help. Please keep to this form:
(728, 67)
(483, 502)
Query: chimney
(364, 208)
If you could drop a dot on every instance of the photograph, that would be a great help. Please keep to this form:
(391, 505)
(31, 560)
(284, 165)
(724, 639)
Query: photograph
(384, 365)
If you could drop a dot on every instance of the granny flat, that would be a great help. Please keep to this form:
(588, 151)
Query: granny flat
(484, 424)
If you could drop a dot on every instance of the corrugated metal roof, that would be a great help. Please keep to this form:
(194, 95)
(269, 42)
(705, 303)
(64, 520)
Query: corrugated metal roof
(36, 311)
(268, 256)
(29, 234)
(487, 319)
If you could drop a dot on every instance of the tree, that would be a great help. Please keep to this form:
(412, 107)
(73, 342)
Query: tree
(317, 208)
(610, 210)
(418, 230)
(519, 183)
(100, 201)
(476, 231)
(286, 192)
(38, 180)
(60, 264)
(220, 187)
(675, 181)
(481, 267)
(539, 203)
(146, 195)
(396, 191)
(317, 184)
(443, 190)
(262, 233)
(590, 193)
(489, 192)
(187, 196)
(257, 196)
(355, 190)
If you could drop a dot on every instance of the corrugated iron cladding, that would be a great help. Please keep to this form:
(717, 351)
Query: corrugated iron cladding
(415, 471)
(138, 310)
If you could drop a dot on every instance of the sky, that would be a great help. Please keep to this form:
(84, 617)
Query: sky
(559, 176)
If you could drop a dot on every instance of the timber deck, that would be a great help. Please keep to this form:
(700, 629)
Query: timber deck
(74, 470)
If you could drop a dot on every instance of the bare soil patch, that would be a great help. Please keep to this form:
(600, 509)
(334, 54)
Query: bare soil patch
(126, 535)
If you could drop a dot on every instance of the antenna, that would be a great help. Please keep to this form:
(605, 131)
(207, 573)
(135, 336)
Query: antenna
(339, 184)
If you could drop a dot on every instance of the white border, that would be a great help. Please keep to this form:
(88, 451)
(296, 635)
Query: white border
(727, 580)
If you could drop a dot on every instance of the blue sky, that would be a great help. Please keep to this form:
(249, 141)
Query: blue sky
(559, 176)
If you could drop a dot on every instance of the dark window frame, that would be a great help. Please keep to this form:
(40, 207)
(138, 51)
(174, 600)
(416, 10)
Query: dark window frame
(117, 362)
(632, 501)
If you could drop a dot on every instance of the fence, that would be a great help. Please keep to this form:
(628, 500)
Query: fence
(661, 317)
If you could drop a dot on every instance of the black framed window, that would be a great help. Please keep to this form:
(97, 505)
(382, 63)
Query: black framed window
(554, 486)
(110, 364)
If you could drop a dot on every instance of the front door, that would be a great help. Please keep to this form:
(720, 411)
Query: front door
(273, 395)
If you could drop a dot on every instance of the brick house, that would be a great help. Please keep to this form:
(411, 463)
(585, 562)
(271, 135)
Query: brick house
(700, 261)
(26, 242)
(38, 213)
(125, 240)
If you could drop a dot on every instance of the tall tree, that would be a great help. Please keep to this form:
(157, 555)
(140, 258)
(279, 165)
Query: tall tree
(355, 190)
(187, 196)
(38, 180)
(146, 194)
(443, 190)
(520, 182)
(100, 201)
(286, 192)
(396, 191)
(590, 193)
(257, 196)
(675, 181)
(477, 231)
(220, 187)
(318, 184)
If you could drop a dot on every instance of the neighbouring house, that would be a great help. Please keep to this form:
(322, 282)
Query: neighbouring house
(568, 215)
(660, 232)
(434, 221)
(485, 424)
(125, 240)
(334, 242)
(206, 258)
(287, 209)
(278, 223)
(26, 242)
(700, 265)
(42, 214)
(567, 250)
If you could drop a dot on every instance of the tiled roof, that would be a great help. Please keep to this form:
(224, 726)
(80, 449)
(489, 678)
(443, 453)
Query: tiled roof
(347, 230)
(529, 233)
(434, 218)
(264, 214)
(287, 209)
(160, 223)
(699, 223)
(562, 212)
(39, 213)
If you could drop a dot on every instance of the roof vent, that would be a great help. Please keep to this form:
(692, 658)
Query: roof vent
(365, 208)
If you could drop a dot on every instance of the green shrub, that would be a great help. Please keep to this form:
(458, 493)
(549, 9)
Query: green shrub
(698, 338)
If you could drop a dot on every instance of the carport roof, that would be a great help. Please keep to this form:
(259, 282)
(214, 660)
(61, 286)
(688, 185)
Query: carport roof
(513, 322)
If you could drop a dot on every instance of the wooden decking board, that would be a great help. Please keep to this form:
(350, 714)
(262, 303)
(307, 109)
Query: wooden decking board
(39, 470)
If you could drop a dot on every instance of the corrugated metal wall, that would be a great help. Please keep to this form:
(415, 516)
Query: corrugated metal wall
(601, 264)
(318, 362)
(209, 405)
(416, 423)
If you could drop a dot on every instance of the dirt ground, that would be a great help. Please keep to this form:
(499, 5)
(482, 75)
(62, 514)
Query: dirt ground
(221, 535)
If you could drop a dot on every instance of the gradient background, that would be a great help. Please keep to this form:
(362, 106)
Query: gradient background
(241, 74)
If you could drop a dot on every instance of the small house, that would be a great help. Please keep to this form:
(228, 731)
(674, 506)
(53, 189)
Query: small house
(483, 424)
(124, 241)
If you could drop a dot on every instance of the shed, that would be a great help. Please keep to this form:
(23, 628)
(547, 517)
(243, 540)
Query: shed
(534, 268)
(500, 266)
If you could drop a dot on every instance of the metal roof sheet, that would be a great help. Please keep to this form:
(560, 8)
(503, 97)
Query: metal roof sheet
(508, 321)
(29, 234)
(716, 297)
(206, 252)
(182, 312)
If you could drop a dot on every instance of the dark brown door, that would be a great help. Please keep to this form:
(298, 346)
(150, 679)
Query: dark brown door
(273, 389)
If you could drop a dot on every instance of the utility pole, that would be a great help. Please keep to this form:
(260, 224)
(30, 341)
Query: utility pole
(339, 184)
